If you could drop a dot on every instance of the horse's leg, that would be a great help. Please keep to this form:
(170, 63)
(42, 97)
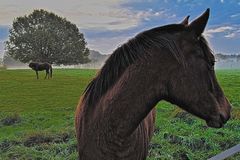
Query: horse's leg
(37, 74)
(50, 71)
(46, 74)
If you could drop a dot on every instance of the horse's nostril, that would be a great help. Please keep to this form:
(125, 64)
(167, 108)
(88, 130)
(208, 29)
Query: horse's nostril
(228, 117)
(223, 119)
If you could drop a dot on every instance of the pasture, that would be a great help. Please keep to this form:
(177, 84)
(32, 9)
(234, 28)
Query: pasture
(37, 119)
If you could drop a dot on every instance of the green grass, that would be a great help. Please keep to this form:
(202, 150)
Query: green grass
(37, 119)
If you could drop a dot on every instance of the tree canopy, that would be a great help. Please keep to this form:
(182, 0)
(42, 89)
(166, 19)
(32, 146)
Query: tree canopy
(45, 37)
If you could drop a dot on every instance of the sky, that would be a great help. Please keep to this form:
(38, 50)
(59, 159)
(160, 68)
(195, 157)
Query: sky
(106, 24)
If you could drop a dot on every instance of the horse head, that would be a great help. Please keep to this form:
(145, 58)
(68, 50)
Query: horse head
(193, 86)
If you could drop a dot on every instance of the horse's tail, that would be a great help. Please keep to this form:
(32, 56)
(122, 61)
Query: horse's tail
(50, 69)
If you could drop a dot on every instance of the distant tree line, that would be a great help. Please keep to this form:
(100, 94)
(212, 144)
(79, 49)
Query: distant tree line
(221, 56)
(1, 61)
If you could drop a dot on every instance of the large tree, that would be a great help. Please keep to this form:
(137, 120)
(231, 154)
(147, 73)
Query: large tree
(45, 37)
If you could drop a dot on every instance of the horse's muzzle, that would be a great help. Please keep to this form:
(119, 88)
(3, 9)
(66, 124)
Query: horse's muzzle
(218, 121)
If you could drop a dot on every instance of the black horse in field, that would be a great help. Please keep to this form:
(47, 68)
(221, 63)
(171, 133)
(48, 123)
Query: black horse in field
(41, 67)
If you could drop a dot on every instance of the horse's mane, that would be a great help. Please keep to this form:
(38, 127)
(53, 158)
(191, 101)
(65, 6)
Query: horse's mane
(127, 54)
(208, 53)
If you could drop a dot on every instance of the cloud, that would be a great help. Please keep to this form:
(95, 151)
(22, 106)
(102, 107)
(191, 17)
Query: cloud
(222, 1)
(231, 35)
(219, 29)
(84, 13)
(107, 45)
(235, 15)
(226, 31)
(210, 32)
(104, 14)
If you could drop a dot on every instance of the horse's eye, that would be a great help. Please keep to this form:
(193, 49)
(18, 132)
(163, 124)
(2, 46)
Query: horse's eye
(211, 65)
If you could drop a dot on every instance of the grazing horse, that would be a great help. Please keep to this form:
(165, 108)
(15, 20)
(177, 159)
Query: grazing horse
(115, 117)
(41, 67)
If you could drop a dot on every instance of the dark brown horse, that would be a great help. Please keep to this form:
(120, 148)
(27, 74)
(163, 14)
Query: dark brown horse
(41, 67)
(115, 117)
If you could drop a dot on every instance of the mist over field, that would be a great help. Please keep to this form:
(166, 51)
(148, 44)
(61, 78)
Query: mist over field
(228, 65)
(98, 59)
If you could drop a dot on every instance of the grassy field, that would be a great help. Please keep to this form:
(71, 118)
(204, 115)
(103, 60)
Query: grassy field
(36, 119)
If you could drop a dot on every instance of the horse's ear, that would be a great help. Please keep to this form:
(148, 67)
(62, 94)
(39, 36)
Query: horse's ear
(185, 21)
(199, 24)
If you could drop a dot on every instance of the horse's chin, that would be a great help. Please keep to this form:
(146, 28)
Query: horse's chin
(214, 124)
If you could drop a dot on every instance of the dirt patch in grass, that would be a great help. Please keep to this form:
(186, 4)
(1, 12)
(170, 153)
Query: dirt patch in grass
(6, 144)
(157, 130)
(45, 138)
(154, 146)
(154, 149)
(180, 155)
(192, 143)
(11, 120)
(228, 143)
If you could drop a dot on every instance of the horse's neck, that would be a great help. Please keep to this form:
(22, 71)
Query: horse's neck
(131, 99)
